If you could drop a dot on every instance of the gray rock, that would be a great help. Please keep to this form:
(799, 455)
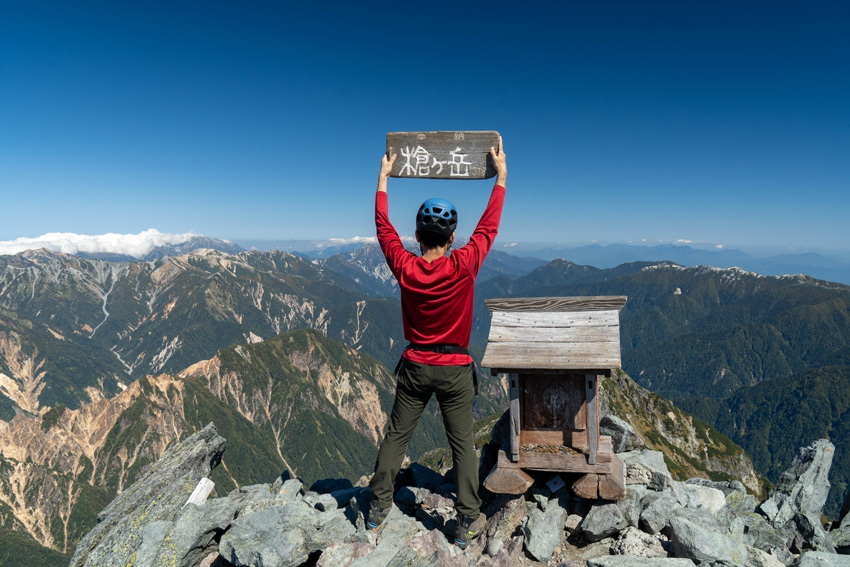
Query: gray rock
(158, 495)
(726, 487)
(603, 521)
(705, 546)
(340, 554)
(844, 514)
(658, 508)
(761, 535)
(572, 523)
(637, 543)
(698, 497)
(647, 468)
(282, 536)
(196, 532)
(758, 558)
(152, 538)
(410, 495)
(623, 435)
(841, 539)
(326, 503)
(311, 498)
(813, 534)
(629, 561)
(631, 506)
(504, 516)
(494, 547)
(741, 503)
(820, 559)
(544, 530)
(804, 487)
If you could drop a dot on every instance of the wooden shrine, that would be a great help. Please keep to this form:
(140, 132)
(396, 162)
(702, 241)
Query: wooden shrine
(554, 349)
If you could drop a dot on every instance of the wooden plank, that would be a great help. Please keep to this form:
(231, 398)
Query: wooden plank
(612, 486)
(555, 334)
(537, 304)
(605, 452)
(443, 155)
(563, 437)
(555, 319)
(587, 486)
(551, 356)
(513, 385)
(553, 402)
(576, 462)
(557, 371)
(592, 418)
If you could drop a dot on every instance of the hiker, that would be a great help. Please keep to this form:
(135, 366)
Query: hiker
(436, 308)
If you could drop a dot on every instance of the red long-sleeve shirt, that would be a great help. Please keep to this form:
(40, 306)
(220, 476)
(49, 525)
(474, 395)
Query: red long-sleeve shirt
(436, 297)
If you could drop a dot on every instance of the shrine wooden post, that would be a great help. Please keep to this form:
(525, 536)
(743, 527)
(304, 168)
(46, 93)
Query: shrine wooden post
(554, 349)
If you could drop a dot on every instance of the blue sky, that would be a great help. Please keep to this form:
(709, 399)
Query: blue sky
(716, 122)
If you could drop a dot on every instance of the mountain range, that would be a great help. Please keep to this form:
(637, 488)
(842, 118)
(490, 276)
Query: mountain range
(104, 363)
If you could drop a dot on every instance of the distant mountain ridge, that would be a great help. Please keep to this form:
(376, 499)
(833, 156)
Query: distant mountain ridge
(612, 255)
(194, 243)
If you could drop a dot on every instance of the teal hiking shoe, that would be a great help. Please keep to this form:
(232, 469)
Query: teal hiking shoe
(376, 516)
(468, 530)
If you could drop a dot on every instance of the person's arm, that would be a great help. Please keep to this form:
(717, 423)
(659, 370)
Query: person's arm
(388, 238)
(485, 233)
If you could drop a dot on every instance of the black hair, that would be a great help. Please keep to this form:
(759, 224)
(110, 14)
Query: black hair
(431, 240)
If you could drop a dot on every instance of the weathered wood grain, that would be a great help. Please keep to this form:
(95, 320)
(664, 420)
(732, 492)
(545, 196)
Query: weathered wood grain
(592, 418)
(564, 319)
(555, 334)
(507, 480)
(443, 155)
(538, 304)
(566, 356)
(587, 486)
(513, 382)
(577, 439)
(576, 462)
(612, 486)
(553, 402)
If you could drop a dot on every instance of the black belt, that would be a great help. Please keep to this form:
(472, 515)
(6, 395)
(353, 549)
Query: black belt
(442, 349)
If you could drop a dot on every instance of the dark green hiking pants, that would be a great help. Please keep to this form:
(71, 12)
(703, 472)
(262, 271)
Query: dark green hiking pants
(454, 390)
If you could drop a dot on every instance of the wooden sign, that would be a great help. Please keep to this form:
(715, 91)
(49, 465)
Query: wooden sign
(443, 155)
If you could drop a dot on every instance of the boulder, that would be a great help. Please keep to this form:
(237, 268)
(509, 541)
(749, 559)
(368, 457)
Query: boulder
(629, 561)
(698, 497)
(631, 506)
(804, 487)
(282, 536)
(647, 468)
(636, 543)
(705, 546)
(623, 435)
(657, 509)
(544, 530)
(726, 487)
(603, 520)
(158, 496)
(840, 539)
(813, 535)
(820, 559)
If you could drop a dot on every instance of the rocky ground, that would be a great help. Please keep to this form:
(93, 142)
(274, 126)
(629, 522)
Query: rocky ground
(284, 524)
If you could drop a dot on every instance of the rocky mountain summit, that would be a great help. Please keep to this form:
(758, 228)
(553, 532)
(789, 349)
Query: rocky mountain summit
(165, 519)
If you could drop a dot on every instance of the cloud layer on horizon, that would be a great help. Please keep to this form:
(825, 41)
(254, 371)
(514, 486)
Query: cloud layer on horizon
(135, 245)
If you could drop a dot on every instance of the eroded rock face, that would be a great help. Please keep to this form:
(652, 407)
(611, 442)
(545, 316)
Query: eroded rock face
(804, 487)
(156, 497)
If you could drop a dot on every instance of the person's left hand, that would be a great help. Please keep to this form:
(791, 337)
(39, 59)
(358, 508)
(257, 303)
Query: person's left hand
(387, 165)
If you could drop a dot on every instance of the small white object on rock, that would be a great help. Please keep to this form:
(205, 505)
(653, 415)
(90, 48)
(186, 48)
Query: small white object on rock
(202, 490)
(494, 547)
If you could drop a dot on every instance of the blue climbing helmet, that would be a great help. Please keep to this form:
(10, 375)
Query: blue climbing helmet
(437, 215)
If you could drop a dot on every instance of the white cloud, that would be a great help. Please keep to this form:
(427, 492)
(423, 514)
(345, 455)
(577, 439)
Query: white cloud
(345, 241)
(136, 245)
(509, 244)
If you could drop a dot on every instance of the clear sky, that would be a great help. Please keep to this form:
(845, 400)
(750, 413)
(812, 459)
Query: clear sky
(713, 121)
